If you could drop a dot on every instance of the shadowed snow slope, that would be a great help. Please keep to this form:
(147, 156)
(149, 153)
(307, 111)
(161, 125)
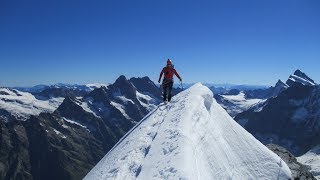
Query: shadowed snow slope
(192, 137)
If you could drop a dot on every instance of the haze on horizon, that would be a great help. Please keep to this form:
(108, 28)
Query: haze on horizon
(80, 42)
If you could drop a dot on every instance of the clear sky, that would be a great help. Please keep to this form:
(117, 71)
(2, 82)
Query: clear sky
(234, 41)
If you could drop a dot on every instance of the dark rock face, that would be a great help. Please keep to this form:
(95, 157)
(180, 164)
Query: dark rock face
(298, 170)
(6, 116)
(14, 153)
(67, 143)
(123, 87)
(303, 75)
(47, 147)
(146, 85)
(99, 93)
(291, 119)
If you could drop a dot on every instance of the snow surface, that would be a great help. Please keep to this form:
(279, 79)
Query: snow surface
(87, 108)
(312, 160)
(118, 95)
(59, 133)
(192, 137)
(121, 108)
(142, 98)
(239, 103)
(23, 104)
(124, 99)
(74, 122)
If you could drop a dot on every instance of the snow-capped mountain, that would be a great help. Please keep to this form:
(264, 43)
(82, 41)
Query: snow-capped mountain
(301, 78)
(236, 101)
(119, 104)
(192, 137)
(17, 105)
(291, 119)
(63, 138)
(278, 88)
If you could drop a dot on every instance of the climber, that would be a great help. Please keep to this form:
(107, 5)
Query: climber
(167, 82)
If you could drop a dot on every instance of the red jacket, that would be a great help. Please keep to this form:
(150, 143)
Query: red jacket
(168, 73)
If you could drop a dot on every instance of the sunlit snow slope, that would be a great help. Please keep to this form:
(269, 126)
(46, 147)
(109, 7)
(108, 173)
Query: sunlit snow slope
(190, 138)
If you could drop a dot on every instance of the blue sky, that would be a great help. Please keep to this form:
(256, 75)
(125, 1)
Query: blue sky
(76, 41)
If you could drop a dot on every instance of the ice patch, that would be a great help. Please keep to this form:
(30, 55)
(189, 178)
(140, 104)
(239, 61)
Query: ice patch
(76, 123)
(146, 101)
(124, 99)
(121, 108)
(59, 133)
(86, 107)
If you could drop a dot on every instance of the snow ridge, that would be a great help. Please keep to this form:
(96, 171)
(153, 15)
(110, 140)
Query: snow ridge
(192, 137)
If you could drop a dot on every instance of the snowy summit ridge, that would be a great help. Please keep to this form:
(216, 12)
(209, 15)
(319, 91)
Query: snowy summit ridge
(192, 137)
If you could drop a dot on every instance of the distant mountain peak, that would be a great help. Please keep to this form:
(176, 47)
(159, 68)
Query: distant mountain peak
(300, 78)
(120, 79)
(303, 75)
(122, 82)
(145, 79)
(123, 87)
(281, 83)
(99, 93)
(145, 84)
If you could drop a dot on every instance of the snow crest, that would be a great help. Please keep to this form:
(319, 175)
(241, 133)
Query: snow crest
(192, 137)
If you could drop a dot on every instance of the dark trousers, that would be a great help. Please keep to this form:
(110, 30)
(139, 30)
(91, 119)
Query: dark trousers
(167, 90)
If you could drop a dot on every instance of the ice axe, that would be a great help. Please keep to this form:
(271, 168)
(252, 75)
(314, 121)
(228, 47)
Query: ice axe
(181, 85)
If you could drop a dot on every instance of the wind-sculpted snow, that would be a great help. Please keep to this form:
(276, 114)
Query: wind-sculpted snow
(192, 137)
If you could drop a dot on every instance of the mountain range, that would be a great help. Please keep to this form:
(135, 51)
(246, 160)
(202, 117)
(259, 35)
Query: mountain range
(61, 132)
(290, 119)
(192, 137)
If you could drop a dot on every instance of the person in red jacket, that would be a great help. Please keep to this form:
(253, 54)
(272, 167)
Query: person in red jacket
(167, 82)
